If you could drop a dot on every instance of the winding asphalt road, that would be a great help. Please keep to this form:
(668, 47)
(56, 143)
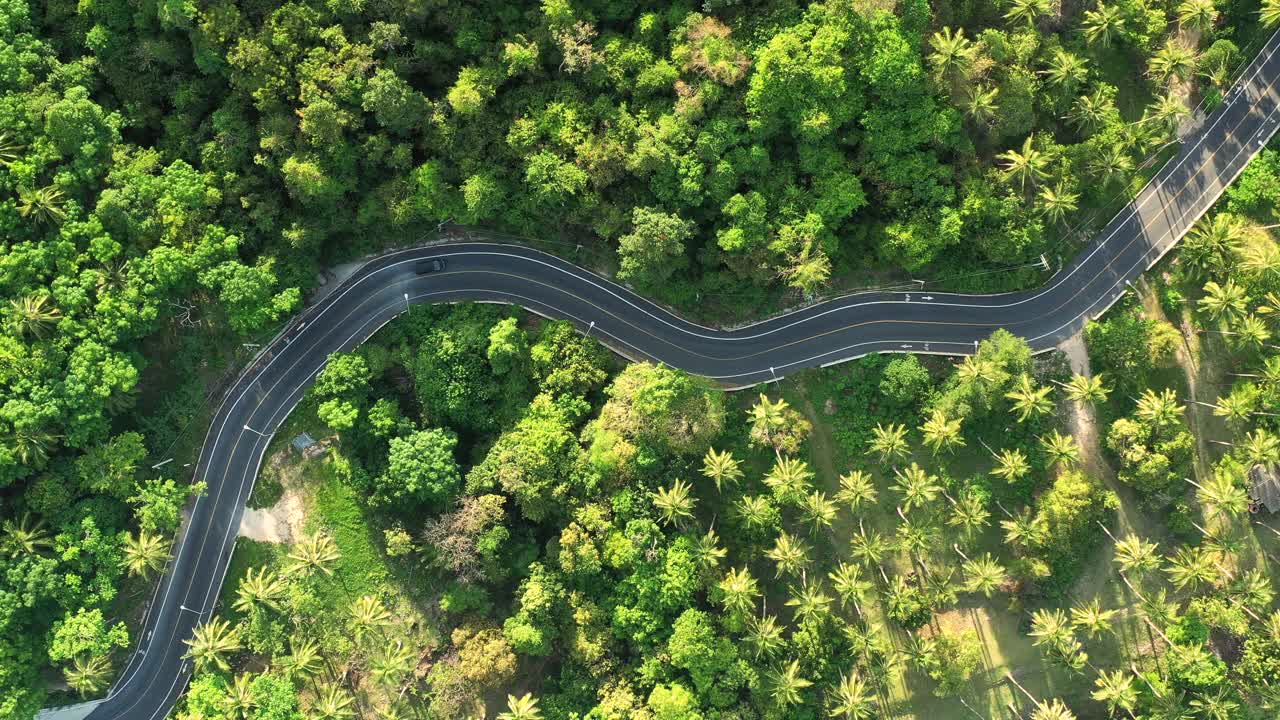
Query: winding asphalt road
(821, 334)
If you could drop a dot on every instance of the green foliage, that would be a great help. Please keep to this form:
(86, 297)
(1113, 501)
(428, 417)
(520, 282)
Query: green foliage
(654, 248)
(86, 633)
(537, 461)
(421, 471)
(1128, 347)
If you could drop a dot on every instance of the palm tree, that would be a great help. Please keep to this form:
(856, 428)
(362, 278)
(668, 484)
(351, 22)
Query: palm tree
(977, 372)
(1027, 165)
(1091, 618)
(43, 205)
(738, 590)
(1175, 59)
(1111, 163)
(1213, 243)
(1197, 14)
(1223, 302)
(807, 269)
(1270, 12)
(33, 315)
(707, 552)
(756, 511)
(1168, 110)
(952, 52)
(768, 417)
(811, 603)
(721, 467)
(314, 552)
(1253, 589)
(981, 105)
(1029, 400)
(790, 554)
(368, 615)
(889, 442)
(263, 588)
(521, 708)
(1012, 465)
(1055, 709)
(88, 674)
(1261, 261)
(789, 480)
(240, 701)
(1159, 410)
(1087, 389)
(1057, 202)
(1216, 706)
(916, 538)
(211, 643)
(1061, 450)
(675, 505)
(1191, 567)
(983, 575)
(1024, 529)
(1050, 627)
(145, 553)
(969, 513)
(9, 149)
(763, 636)
(332, 703)
(1116, 690)
(303, 660)
(867, 548)
(1066, 71)
(1102, 25)
(941, 433)
(1250, 333)
(851, 698)
(849, 585)
(818, 511)
(1157, 607)
(785, 685)
(389, 667)
(856, 490)
(1137, 556)
(27, 536)
(1261, 446)
(1222, 496)
(1090, 112)
(917, 487)
(1027, 11)
(1271, 372)
(32, 447)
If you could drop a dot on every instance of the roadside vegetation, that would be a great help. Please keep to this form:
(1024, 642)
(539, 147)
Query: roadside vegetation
(509, 521)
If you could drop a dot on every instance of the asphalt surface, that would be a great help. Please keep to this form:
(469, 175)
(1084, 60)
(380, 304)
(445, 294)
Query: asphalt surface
(821, 334)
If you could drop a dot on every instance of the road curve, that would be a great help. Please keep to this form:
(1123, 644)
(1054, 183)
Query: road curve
(821, 334)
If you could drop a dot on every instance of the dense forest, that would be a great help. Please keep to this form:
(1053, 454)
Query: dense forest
(510, 521)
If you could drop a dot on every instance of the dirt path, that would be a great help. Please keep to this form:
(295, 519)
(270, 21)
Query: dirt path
(1083, 421)
(1199, 418)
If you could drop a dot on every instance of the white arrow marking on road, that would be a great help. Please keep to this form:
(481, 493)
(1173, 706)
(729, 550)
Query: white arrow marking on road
(905, 347)
(927, 297)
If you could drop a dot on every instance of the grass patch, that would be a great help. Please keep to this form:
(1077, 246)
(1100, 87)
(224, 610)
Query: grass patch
(336, 509)
(267, 491)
